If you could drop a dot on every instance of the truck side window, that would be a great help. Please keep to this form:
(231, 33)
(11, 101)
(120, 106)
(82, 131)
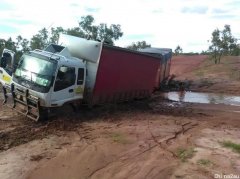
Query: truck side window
(65, 78)
(6, 60)
(3, 62)
(80, 76)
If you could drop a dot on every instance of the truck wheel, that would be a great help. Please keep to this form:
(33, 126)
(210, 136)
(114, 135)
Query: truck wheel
(43, 113)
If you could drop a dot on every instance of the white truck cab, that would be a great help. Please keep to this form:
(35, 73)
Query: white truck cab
(48, 78)
(55, 76)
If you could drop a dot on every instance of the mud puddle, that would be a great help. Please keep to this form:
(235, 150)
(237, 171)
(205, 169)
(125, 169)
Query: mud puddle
(205, 98)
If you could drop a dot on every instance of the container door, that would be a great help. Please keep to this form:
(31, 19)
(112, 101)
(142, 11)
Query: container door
(168, 69)
(63, 90)
(163, 69)
(158, 78)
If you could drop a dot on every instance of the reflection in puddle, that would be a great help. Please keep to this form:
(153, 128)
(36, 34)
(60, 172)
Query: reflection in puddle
(195, 97)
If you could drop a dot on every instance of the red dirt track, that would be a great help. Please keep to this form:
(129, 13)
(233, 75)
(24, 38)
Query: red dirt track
(184, 64)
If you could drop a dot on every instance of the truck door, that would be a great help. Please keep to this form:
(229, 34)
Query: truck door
(80, 83)
(63, 89)
(6, 66)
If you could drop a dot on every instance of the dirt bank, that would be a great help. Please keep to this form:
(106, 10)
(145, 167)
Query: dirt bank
(205, 76)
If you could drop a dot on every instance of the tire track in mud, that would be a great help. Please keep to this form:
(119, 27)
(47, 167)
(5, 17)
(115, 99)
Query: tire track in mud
(184, 128)
(127, 159)
(29, 131)
(182, 131)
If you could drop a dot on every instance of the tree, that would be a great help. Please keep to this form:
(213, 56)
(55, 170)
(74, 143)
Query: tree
(138, 45)
(229, 43)
(215, 48)
(109, 34)
(178, 50)
(18, 46)
(22, 44)
(2, 44)
(236, 51)
(10, 44)
(222, 43)
(54, 36)
(204, 52)
(44, 37)
(40, 40)
(102, 32)
(75, 31)
(86, 29)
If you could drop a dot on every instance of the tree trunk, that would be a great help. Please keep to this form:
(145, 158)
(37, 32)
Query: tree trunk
(219, 58)
(215, 57)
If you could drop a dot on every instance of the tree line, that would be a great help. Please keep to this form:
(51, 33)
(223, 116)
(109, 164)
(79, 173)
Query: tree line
(222, 42)
(86, 29)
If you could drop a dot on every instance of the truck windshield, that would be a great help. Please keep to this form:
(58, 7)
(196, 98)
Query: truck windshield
(37, 70)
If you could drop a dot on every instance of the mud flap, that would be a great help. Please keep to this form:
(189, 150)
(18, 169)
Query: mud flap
(26, 104)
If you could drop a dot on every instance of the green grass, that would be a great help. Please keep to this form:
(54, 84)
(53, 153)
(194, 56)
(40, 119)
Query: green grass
(204, 162)
(228, 144)
(185, 154)
(119, 138)
(227, 68)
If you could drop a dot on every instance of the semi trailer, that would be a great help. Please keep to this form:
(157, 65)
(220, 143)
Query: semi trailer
(165, 55)
(86, 71)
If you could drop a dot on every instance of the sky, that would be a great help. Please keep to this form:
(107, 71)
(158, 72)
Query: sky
(161, 23)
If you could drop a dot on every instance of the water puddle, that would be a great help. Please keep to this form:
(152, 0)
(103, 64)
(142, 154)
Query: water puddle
(207, 98)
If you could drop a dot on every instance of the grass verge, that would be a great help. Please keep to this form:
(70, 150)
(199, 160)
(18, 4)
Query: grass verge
(204, 162)
(119, 138)
(229, 144)
(185, 154)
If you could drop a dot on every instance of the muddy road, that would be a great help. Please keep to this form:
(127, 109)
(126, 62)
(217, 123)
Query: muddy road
(144, 139)
(153, 138)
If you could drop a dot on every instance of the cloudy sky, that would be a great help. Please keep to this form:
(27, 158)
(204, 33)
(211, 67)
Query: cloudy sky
(162, 23)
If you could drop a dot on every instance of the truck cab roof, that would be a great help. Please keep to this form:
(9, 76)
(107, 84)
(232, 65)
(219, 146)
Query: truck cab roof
(165, 53)
(61, 55)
